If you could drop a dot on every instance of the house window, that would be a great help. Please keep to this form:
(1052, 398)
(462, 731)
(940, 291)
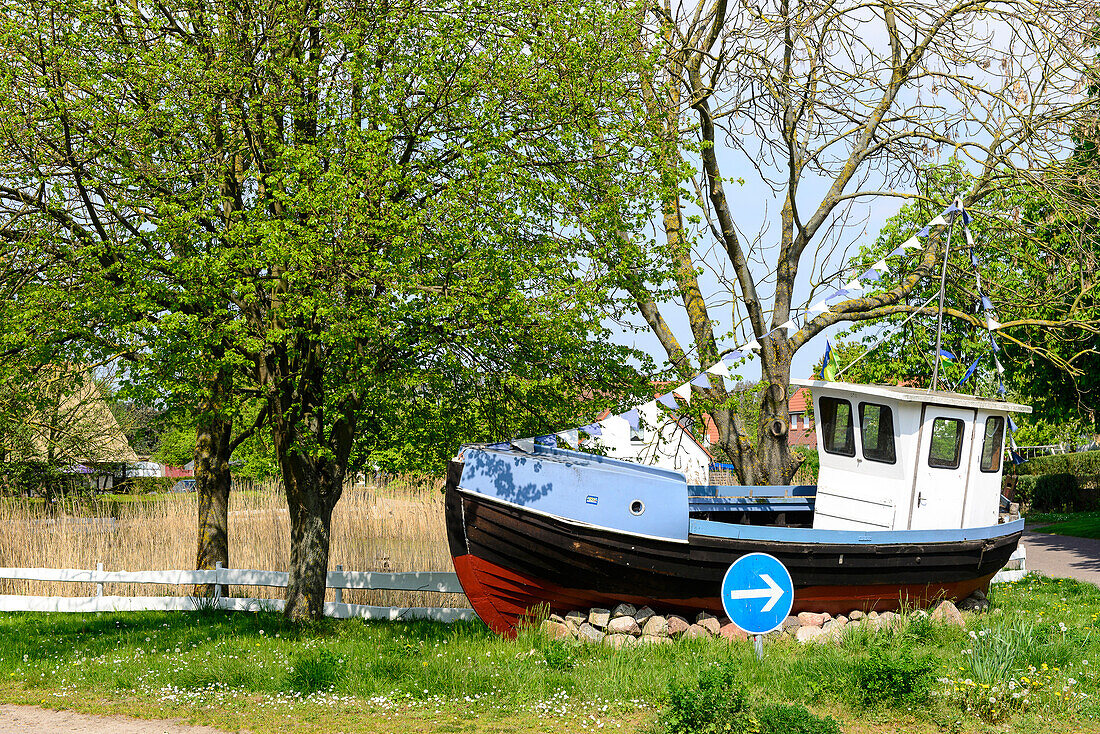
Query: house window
(876, 431)
(947, 441)
(637, 434)
(837, 432)
(993, 446)
(794, 420)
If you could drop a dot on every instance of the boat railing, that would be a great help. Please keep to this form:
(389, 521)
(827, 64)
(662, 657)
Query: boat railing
(757, 498)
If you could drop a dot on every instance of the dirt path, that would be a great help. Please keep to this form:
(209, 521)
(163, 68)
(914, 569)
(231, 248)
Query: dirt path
(22, 719)
(1062, 555)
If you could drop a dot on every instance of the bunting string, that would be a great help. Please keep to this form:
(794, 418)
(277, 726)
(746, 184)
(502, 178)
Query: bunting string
(650, 412)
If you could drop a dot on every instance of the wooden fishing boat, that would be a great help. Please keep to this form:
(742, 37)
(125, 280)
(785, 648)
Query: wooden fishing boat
(907, 509)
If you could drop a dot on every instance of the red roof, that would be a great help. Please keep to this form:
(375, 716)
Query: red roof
(797, 403)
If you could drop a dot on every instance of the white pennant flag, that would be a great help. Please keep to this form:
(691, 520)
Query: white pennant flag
(911, 243)
(569, 437)
(992, 323)
(969, 238)
(751, 346)
(998, 365)
(651, 414)
(939, 221)
(819, 307)
(719, 368)
(881, 267)
(789, 326)
(853, 285)
(684, 393)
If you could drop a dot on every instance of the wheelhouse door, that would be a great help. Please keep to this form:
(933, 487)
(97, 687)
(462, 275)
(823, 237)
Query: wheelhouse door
(943, 462)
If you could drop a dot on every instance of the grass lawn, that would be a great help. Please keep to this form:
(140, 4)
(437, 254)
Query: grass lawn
(1041, 642)
(1077, 524)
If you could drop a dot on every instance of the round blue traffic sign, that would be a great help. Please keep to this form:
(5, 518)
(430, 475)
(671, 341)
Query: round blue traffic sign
(757, 593)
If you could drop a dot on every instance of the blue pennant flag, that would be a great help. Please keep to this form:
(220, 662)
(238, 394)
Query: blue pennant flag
(551, 441)
(966, 217)
(825, 362)
(733, 356)
(944, 354)
(993, 343)
(839, 293)
(702, 381)
(668, 401)
(1016, 458)
(973, 259)
(987, 304)
(1000, 388)
(870, 276)
(1012, 425)
(953, 208)
(924, 232)
(592, 429)
(970, 370)
(631, 417)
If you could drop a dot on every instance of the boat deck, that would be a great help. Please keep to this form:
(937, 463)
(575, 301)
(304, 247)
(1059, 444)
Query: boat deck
(725, 498)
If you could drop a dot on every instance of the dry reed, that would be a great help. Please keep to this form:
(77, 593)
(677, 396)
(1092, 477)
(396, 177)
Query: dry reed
(396, 527)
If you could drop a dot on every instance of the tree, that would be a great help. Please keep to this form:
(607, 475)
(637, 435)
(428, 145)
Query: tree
(340, 208)
(824, 106)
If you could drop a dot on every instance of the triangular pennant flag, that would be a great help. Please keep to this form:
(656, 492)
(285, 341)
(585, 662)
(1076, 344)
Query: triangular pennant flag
(939, 221)
(650, 413)
(631, 417)
(1012, 425)
(819, 307)
(953, 208)
(547, 440)
(569, 438)
(841, 293)
(702, 381)
(993, 342)
(970, 370)
(969, 238)
(992, 323)
(870, 275)
(789, 326)
(719, 368)
(911, 243)
(998, 366)
(733, 356)
(668, 401)
(1001, 388)
(966, 217)
(944, 354)
(987, 304)
(592, 429)
(853, 285)
(684, 393)
(750, 347)
(924, 232)
(881, 267)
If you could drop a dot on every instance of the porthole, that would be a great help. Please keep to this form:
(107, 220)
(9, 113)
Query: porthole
(637, 507)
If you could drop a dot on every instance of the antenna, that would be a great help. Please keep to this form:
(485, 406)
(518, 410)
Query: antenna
(939, 314)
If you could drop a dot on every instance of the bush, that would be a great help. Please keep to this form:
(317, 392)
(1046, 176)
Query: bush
(779, 718)
(715, 704)
(892, 676)
(1053, 493)
(1081, 464)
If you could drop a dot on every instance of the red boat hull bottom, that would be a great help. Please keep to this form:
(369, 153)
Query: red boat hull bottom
(502, 597)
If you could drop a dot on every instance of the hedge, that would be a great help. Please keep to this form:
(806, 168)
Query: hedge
(1082, 464)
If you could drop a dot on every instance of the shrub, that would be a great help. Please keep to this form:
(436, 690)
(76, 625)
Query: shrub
(780, 718)
(1053, 493)
(892, 676)
(1081, 464)
(716, 703)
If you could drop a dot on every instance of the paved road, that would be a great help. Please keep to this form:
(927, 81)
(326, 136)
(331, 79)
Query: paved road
(1062, 555)
(22, 719)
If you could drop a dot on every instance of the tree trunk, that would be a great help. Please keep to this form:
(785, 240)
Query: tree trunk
(212, 482)
(311, 497)
(775, 464)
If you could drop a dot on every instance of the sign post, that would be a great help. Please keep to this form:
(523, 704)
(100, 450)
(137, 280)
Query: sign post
(757, 594)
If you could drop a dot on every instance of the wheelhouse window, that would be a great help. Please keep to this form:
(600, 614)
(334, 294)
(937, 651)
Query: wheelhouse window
(947, 440)
(876, 432)
(993, 447)
(837, 431)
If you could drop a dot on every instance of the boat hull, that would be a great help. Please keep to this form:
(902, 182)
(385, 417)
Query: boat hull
(511, 560)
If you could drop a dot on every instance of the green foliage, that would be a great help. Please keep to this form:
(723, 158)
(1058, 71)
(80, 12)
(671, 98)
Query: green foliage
(315, 670)
(1054, 493)
(778, 718)
(891, 676)
(1081, 464)
(713, 703)
(176, 446)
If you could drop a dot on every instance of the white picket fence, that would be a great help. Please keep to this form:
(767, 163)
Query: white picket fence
(446, 583)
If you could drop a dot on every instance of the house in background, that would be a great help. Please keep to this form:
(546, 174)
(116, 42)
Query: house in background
(660, 440)
(802, 431)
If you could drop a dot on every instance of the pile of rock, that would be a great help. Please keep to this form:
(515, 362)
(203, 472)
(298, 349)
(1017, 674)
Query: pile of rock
(625, 625)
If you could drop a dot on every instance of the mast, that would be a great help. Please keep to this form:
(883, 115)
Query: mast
(939, 313)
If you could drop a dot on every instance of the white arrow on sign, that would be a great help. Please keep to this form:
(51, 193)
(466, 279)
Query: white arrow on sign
(773, 593)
